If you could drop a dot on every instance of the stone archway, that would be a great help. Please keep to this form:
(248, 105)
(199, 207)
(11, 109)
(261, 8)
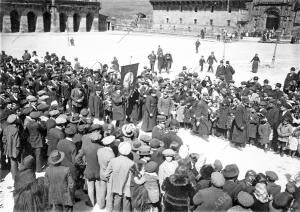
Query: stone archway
(31, 20)
(63, 22)
(76, 22)
(89, 21)
(47, 21)
(15, 21)
(273, 18)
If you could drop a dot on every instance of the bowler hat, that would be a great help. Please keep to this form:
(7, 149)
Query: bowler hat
(60, 120)
(56, 157)
(231, 171)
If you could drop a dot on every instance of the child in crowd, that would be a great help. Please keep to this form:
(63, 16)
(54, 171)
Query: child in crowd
(284, 130)
(265, 133)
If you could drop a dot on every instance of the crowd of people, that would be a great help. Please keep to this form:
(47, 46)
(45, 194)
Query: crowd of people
(79, 127)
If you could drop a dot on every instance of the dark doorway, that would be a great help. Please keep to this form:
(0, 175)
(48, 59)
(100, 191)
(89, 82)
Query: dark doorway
(76, 22)
(31, 19)
(273, 20)
(89, 21)
(47, 21)
(62, 22)
(108, 26)
(15, 21)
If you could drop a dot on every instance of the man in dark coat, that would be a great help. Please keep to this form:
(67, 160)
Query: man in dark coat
(160, 62)
(36, 139)
(231, 185)
(200, 115)
(240, 123)
(118, 107)
(210, 61)
(229, 72)
(277, 93)
(197, 45)
(290, 77)
(12, 144)
(60, 184)
(133, 104)
(220, 69)
(152, 59)
(55, 134)
(150, 113)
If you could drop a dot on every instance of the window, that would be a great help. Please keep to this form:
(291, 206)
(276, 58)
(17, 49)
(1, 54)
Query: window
(211, 22)
(180, 20)
(167, 20)
(196, 9)
(228, 22)
(195, 21)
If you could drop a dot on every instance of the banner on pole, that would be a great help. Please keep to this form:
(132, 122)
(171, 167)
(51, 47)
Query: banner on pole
(129, 76)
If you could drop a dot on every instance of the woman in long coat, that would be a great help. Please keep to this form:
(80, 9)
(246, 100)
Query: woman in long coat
(150, 113)
(255, 62)
(201, 125)
(240, 123)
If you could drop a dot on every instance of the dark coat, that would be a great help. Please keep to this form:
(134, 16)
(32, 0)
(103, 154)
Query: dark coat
(35, 130)
(11, 141)
(259, 206)
(201, 125)
(232, 189)
(222, 116)
(220, 71)
(60, 183)
(212, 199)
(178, 192)
(253, 125)
(53, 137)
(96, 106)
(289, 78)
(229, 71)
(150, 113)
(118, 109)
(240, 123)
(273, 189)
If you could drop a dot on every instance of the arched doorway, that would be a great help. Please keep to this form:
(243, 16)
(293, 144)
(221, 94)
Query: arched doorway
(89, 21)
(31, 19)
(15, 21)
(62, 22)
(273, 19)
(47, 21)
(76, 22)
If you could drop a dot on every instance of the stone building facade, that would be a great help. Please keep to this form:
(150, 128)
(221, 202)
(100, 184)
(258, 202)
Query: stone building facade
(231, 15)
(49, 16)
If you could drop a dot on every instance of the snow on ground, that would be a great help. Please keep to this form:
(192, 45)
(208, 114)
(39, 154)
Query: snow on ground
(91, 48)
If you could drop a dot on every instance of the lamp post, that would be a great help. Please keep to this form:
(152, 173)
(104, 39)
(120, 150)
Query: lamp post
(275, 49)
(224, 40)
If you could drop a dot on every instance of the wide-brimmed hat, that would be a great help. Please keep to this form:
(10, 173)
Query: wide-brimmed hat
(217, 179)
(27, 163)
(169, 153)
(12, 118)
(128, 130)
(245, 199)
(124, 148)
(108, 140)
(231, 171)
(144, 150)
(56, 157)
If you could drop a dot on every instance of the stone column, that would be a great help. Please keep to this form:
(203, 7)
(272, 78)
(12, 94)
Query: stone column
(39, 23)
(70, 27)
(54, 20)
(82, 25)
(6, 24)
(23, 23)
(95, 25)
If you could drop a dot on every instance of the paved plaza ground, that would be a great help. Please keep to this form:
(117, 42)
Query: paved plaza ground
(91, 48)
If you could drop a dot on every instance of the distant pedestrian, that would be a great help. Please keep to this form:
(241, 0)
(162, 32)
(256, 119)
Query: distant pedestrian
(255, 62)
(201, 63)
(210, 60)
(197, 44)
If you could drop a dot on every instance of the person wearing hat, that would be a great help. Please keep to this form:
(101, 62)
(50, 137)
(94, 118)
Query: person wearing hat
(90, 145)
(104, 155)
(117, 173)
(36, 138)
(157, 147)
(264, 132)
(165, 104)
(255, 62)
(128, 132)
(284, 130)
(277, 93)
(178, 190)
(229, 72)
(281, 202)
(151, 111)
(210, 60)
(68, 147)
(55, 134)
(118, 111)
(151, 183)
(272, 188)
(220, 69)
(60, 183)
(168, 167)
(27, 190)
(208, 199)
(247, 183)
(77, 97)
(231, 186)
(12, 143)
(144, 153)
(152, 59)
(200, 122)
(290, 77)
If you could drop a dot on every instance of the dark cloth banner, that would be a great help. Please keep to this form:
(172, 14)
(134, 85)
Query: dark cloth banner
(129, 76)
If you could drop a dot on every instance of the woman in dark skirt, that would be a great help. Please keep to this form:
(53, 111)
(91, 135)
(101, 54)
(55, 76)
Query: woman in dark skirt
(255, 62)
